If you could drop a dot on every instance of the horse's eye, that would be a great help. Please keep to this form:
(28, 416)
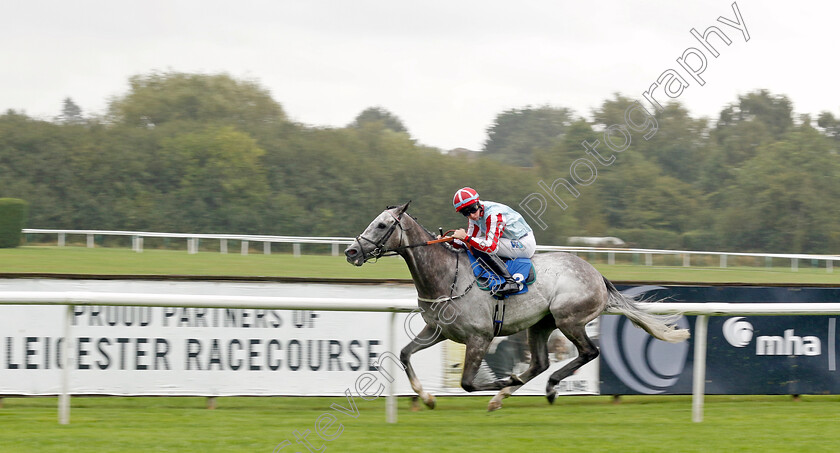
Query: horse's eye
(381, 225)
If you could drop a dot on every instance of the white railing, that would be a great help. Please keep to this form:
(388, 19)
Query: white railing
(686, 255)
(335, 242)
(394, 306)
(194, 238)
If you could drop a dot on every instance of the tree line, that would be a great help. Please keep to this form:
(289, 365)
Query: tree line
(211, 154)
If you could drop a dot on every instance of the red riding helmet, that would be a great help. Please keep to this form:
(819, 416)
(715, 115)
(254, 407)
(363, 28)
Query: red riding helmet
(464, 197)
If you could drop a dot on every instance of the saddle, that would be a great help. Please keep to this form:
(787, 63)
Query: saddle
(521, 269)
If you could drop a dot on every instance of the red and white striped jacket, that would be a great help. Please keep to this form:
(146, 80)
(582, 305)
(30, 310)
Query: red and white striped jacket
(497, 221)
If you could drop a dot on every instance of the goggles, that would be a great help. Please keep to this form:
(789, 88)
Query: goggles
(470, 209)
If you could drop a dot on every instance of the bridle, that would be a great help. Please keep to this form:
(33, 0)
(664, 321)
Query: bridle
(379, 249)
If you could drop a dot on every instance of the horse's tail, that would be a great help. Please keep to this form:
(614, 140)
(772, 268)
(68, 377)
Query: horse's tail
(661, 327)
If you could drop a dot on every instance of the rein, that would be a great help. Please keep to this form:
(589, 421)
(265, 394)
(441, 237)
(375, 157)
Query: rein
(379, 249)
(451, 289)
(422, 244)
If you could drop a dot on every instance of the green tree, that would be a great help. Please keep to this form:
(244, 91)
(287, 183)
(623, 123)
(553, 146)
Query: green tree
(636, 194)
(774, 111)
(557, 158)
(680, 146)
(380, 117)
(830, 125)
(744, 127)
(158, 98)
(517, 133)
(207, 153)
(612, 110)
(70, 113)
(221, 185)
(34, 167)
(786, 198)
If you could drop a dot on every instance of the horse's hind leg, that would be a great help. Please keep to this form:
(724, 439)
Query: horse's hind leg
(537, 344)
(587, 351)
(427, 337)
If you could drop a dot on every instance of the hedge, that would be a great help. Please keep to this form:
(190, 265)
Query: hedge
(12, 218)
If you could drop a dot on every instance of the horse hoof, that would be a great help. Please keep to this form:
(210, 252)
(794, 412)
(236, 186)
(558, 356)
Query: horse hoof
(494, 406)
(551, 397)
(430, 401)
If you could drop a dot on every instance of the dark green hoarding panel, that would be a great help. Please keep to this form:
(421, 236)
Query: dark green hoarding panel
(746, 354)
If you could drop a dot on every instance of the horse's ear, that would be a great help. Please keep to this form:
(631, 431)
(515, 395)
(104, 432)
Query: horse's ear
(403, 208)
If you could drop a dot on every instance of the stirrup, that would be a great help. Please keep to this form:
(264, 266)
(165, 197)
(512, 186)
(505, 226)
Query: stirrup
(509, 286)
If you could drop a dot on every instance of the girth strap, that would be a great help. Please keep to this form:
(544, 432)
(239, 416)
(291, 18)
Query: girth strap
(498, 317)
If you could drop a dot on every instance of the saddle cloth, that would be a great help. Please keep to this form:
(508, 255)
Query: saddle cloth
(521, 269)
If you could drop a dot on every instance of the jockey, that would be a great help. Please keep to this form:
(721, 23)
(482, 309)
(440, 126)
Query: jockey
(495, 231)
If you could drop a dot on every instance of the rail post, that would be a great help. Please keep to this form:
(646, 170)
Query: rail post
(391, 399)
(64, 397)
(701, 328)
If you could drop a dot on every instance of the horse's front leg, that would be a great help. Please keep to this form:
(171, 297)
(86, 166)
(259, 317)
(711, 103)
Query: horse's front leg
(427, 337)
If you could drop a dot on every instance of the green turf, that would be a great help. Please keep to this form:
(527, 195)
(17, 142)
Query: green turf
(639, 424)
(119, 261)
(585, 424)
(123, 261)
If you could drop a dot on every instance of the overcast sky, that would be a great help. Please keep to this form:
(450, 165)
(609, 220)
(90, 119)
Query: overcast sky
(446, 68)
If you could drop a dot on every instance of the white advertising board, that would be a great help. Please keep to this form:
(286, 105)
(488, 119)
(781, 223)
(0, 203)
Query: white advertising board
(122, 350)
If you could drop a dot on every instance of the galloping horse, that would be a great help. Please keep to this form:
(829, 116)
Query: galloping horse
(568, 293)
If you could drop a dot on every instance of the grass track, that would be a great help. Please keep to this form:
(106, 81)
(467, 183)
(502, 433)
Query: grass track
(80, 260)
(638, 424)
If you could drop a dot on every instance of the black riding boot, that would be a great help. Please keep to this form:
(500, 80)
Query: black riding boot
(497, 265)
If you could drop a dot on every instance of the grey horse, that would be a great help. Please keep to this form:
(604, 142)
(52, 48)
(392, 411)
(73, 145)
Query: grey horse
(568, 293)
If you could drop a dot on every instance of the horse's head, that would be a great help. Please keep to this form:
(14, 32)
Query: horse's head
(378, 238)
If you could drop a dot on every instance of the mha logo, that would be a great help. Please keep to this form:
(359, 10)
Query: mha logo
(739, 332)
